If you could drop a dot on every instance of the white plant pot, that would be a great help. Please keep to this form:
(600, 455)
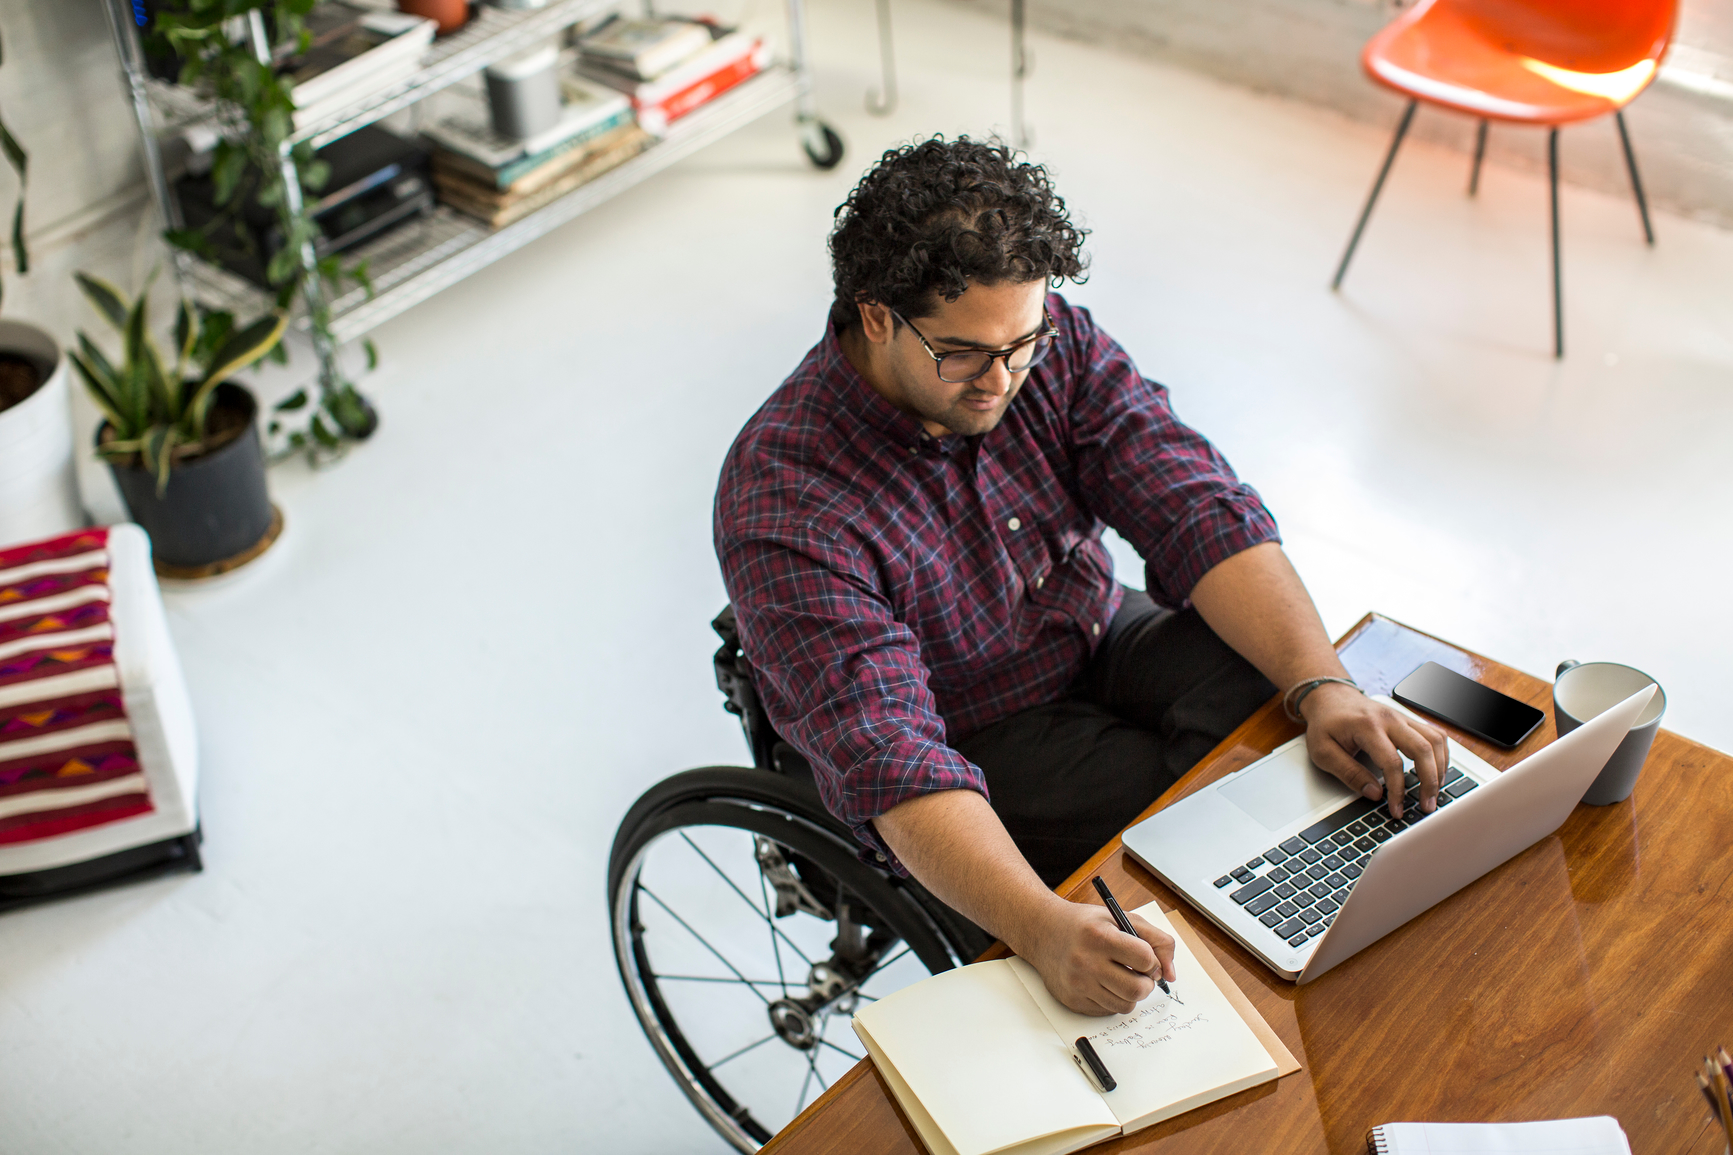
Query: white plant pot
(38, 475)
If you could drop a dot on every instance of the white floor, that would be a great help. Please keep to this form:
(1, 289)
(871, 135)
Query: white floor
(486, 633)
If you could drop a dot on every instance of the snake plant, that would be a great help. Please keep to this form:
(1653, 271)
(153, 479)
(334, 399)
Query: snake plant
(157, 409)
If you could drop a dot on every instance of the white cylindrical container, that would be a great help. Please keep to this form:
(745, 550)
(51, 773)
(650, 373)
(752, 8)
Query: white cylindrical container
(523, 93)
(38, 481)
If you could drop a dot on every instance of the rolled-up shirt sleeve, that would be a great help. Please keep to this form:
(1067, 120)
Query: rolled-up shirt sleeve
(1154, 479)
(840, 677)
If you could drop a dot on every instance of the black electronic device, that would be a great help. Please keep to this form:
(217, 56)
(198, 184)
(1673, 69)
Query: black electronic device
(1465, 703)
(378, 180)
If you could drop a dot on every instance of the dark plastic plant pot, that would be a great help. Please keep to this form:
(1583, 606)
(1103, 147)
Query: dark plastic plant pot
(216, 513)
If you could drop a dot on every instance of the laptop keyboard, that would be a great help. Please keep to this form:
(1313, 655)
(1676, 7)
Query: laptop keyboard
(1296, 888)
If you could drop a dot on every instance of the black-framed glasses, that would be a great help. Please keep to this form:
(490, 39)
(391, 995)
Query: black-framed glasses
(970, 364)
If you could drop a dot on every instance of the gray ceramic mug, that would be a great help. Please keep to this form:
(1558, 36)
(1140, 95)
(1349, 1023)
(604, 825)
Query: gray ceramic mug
(1580, 691)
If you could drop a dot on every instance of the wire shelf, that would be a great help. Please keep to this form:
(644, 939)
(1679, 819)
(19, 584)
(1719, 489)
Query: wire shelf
(491, 35)
(416, 260)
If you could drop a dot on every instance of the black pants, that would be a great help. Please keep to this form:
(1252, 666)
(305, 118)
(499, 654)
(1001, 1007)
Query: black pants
(1159, 694)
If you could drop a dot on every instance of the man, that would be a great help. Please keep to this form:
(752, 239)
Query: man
(909, 530)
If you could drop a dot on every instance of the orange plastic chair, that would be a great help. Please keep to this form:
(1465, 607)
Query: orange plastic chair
(1540, 62)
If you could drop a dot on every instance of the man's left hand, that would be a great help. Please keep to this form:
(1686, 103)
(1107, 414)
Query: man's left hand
(1342, 723)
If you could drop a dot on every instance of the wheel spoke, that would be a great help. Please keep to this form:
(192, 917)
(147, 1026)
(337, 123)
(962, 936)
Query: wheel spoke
(774, 929)
(840, 1051)
(775, 947)
(812, 1061)
(705, 943)
(883, 963)
(741, 1051)
(713, 979)
(804, 1084)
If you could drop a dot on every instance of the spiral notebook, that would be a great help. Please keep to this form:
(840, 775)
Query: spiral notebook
(1596, 1135)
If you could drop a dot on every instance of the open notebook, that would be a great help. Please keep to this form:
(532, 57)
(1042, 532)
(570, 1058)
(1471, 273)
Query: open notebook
(981, 1058)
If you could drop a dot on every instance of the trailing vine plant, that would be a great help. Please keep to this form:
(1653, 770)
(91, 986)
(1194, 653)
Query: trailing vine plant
(208, 38)
(20, 162)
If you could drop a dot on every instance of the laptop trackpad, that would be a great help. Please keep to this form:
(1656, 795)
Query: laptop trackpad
(1284, 788)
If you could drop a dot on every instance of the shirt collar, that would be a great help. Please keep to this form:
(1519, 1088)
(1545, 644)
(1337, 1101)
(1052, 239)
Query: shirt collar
(859, 399)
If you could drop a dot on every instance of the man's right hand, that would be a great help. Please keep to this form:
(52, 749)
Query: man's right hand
(1088, 963)
(954, 843)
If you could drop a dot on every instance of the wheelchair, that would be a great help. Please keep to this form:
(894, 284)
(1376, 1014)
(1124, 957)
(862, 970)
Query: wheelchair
(747, 930)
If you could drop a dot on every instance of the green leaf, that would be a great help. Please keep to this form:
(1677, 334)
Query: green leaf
(168, 392)
(275, 127)
(159, 454)
(324, 436)
(294, 401)
(192, 240)
(186, 334)
(283, 267)
(372, 351)
(228, 166)
(363, 274)
(15, 154)
(20, 253)
(110, 377)
(135, 331)
(99, 393)
(237, 353)
(315, 174)
(105, 297)
(213, 332)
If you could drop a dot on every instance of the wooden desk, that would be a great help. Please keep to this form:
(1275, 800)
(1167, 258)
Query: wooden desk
(1583, 977)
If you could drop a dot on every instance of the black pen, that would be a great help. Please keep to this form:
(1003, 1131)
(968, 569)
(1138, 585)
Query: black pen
(1107, 1081)
(1118, 914)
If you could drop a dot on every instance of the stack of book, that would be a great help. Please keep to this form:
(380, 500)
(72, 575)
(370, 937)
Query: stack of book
(351, 53)
(500, 180)
(669, 67)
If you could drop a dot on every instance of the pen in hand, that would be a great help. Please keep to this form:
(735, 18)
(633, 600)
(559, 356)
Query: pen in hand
(1124, 923)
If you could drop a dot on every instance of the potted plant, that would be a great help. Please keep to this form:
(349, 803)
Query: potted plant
(258, 101)
(181, 438)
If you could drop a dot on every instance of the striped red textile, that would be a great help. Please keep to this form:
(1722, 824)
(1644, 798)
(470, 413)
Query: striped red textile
(67, 758)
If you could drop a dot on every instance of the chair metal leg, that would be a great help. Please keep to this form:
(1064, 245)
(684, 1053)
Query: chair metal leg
(1636, 181)
(1479, 155)
(1377, 187)
(1020, 135)
(1558, 307)
(884, 101)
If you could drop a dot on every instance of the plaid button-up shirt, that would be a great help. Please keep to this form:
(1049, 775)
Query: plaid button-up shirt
(896, 591)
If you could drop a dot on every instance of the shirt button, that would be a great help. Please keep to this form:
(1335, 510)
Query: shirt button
(1015, 524)
(880, 857)
(1097, 628)
(1039, 582)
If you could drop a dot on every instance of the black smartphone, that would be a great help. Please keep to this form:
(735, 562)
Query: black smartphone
(1463, 702)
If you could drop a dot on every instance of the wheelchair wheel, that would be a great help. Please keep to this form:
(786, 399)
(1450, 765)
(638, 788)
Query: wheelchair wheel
(747, 932)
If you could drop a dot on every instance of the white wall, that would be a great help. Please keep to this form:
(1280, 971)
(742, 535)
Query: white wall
(61, 95)
(1309, 50)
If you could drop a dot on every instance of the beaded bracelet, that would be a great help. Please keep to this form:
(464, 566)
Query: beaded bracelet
(1291, 704)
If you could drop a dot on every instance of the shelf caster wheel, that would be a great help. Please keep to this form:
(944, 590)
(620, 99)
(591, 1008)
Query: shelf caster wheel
(822, 145)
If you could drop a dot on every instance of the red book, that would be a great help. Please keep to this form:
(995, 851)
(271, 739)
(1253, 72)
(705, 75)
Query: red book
(656, 117)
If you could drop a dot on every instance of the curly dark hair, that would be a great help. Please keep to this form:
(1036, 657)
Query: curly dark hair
(936, 214)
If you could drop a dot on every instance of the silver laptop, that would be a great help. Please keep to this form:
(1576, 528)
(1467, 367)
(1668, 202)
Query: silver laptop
(1304, 872)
